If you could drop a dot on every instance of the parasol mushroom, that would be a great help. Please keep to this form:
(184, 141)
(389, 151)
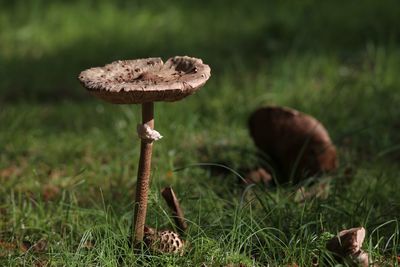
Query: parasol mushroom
(144, 81)
(298, 143)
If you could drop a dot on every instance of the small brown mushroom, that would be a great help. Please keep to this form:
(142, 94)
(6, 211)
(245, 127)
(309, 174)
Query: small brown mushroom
(144, 81)
(298, 143)
(347, 245)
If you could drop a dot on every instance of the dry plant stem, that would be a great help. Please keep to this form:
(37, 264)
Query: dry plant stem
(143, 177)
(177, 213)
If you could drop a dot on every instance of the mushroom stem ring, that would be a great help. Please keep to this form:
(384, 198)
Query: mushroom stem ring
(147, 134)
(143, 177)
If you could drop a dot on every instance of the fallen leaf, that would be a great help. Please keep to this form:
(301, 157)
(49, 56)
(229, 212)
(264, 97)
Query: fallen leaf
(169, 174)
(89, 244)
(259, 175)
(50, 192)
(39, 247)
(177, 213)
(7, 248)
(25, 246)
(56, 173)
(319, 190)
(41, 263)
(10, 171)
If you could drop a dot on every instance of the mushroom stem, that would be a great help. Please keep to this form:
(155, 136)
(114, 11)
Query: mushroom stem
(143, 177)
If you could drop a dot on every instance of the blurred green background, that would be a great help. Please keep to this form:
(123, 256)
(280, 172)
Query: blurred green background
(338, 60)
(44, 44)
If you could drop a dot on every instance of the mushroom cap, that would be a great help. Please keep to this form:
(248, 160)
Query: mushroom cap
(293, 140)
(146, 80)
(347, 242)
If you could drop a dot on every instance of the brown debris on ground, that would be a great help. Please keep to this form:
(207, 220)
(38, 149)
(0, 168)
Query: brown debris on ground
(297, 142)
(259, 175)
(7, 248)
(50, 192)
(320, 190)
(15, 247)
(347, 246)
(177, 212)
(38, 247)
(10, 171)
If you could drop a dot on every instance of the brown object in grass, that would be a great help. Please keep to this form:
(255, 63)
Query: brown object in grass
(297, 142)
(177, 213)
(50, 192)
(38, 247)
(347, 245)
(259, 175)
(318, 190)
(7, 248)
(164, 241)
(144, 81)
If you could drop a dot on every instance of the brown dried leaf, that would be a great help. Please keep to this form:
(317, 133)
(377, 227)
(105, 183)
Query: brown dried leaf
(39, 247)
(259, 175)
(50, 192)
(12, 170)
(319, 190)
(89, 244)
(41, 263)
(177, 212)
(7, 248)
(56, 173)
(25, 246)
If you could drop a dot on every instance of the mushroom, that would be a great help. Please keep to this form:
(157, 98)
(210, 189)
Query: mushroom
(164, 241)
(298, 143)
(144, 81)
(347, 244)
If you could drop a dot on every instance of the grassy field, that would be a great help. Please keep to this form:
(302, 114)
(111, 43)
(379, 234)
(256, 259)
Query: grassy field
(68, 161)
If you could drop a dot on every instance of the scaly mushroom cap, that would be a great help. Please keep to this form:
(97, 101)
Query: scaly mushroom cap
(294, 140)
(146, 80)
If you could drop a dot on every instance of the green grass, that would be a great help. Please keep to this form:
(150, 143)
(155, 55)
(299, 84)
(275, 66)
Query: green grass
(336, 61)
